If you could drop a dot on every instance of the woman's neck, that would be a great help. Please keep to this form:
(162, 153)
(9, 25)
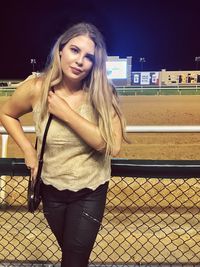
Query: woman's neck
(71, 87)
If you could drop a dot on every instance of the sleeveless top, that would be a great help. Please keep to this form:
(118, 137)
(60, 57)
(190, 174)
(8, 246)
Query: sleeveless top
(69, 162)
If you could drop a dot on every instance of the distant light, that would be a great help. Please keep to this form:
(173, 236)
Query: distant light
(142, 59)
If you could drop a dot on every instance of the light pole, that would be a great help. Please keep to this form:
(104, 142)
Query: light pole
(197, 60)
(33, 62)
(142, 61)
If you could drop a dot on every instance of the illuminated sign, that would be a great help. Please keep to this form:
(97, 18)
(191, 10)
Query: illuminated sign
(145, 78)
(116, 69)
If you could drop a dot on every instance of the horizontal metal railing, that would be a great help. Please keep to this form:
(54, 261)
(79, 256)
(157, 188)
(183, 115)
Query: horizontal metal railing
(122, 167)
(129, 129)
(137, 129)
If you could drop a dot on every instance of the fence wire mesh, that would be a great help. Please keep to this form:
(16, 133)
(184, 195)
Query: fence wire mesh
(146, 221)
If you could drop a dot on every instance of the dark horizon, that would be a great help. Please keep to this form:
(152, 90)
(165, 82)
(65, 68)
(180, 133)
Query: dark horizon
(165, 34)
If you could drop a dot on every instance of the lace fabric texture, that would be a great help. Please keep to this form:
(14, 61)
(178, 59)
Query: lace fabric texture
(69, 163)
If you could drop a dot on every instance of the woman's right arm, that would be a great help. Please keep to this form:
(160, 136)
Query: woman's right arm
(21, 102)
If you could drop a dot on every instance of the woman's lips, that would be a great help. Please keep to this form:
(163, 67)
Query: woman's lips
(76, 70)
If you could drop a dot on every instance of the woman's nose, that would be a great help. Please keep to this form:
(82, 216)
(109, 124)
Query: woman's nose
(79, 61)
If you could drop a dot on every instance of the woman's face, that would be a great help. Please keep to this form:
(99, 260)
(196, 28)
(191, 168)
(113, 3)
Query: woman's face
(77, 58)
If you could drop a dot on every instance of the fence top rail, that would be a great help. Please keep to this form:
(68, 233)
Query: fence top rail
(156, 88)
(27, 129)
(159, 87)
(123, 167)
(137, 129)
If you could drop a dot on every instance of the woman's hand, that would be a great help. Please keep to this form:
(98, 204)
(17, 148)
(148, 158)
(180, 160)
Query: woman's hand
(31, 162)
(57, 105)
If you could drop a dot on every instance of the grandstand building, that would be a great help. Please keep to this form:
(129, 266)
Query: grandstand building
(165, 78)
(119, 70)
(169, 78)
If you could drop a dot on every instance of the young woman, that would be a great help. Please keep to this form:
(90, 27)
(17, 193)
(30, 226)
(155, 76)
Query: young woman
(86, 131)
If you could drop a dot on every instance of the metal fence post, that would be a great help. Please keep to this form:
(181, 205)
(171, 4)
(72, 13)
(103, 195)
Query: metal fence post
(3, 177)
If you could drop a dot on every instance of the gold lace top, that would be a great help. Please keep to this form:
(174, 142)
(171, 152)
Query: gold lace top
(69, 163)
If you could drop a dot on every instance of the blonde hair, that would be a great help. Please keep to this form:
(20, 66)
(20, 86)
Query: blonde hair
(102, 94)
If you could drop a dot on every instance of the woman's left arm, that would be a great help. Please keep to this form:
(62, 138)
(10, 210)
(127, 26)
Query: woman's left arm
(87, 130)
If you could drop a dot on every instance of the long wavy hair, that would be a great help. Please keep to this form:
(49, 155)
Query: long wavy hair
(102, 93)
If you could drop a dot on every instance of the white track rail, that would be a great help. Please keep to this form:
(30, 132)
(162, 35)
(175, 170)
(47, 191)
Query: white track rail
(129, 129)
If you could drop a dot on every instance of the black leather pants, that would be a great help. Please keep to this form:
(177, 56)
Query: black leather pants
(74, 218)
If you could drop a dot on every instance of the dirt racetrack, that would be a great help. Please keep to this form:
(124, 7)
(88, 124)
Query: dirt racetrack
(151, 110)
(162, 110)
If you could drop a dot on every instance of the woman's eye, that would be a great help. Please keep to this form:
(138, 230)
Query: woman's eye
(90, 57)
(74, 50)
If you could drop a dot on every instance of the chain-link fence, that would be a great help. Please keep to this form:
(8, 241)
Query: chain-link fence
(147, 220)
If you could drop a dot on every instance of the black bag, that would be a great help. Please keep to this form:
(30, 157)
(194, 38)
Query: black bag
(34, 187)
(34, 196)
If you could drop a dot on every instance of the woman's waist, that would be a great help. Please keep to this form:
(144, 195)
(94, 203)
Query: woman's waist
(75, 158)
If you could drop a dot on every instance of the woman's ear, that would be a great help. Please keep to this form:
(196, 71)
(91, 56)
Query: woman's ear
(60, 53)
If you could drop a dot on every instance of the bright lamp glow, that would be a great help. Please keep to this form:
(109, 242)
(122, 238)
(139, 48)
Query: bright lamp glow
(116, 69)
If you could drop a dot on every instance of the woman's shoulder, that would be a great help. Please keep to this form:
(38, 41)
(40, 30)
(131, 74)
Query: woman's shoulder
(32, 86)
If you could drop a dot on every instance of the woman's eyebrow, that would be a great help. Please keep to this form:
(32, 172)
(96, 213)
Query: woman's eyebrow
(90, 54)
(75, 46)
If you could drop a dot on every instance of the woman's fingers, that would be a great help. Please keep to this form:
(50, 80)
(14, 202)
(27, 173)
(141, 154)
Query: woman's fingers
(34, 173)
(31, 162)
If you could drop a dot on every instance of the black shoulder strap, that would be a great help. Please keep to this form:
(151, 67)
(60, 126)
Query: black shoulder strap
(40, 165)
(44, 137)
(43, 143)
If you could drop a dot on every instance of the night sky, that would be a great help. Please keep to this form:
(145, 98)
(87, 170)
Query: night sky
(165, 33)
